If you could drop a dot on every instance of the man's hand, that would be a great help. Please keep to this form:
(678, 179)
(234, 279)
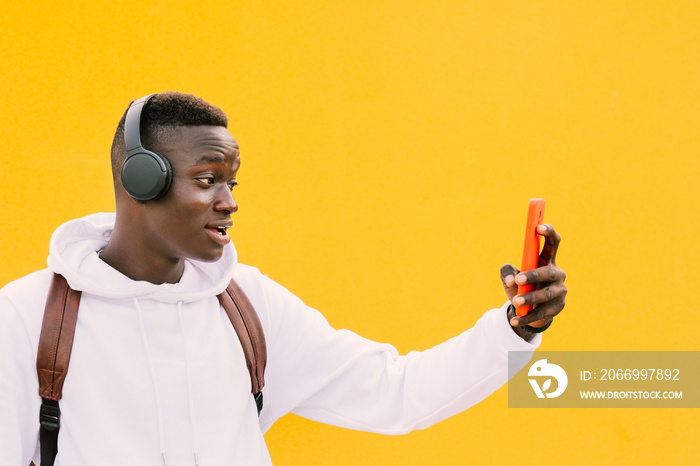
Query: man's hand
(548, 296)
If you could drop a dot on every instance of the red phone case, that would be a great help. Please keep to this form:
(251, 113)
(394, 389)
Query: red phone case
(531, 249)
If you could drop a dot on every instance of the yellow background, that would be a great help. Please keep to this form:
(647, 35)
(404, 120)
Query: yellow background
(389, 150)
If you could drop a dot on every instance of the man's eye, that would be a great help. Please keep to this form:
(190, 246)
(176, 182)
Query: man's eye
(232, 185)
(208, 180)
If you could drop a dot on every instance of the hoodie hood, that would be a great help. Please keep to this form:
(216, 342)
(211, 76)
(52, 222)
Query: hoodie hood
(73, 253)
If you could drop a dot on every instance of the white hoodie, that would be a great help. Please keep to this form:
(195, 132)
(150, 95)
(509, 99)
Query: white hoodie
(157, 374)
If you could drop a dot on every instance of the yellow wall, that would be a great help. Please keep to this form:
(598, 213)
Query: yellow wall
(389, 150)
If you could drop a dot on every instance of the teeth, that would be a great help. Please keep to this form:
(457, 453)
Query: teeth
(221, 230)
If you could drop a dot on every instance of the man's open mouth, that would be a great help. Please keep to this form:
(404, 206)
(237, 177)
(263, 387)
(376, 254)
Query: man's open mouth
(219, 230)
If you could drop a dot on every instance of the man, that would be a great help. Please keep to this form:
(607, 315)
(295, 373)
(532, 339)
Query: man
(157, 374)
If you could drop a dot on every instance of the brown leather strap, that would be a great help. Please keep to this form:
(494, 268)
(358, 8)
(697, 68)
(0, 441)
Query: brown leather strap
(247, 325)
(56, 340)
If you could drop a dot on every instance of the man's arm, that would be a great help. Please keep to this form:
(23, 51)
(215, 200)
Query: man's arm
(337, 377)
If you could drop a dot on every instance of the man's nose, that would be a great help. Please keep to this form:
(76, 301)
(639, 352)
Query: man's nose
(225, 201)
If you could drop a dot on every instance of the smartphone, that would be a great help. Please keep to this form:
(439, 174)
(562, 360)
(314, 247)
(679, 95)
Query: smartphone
(531, 249)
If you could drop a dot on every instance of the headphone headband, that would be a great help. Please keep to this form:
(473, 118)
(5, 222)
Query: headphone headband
(132, 125)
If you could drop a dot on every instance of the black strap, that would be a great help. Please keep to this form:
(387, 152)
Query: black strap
(49, 416)
(258, 401)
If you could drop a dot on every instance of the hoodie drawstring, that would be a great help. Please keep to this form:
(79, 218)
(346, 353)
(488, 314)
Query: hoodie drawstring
(153, 379)
(189, 383)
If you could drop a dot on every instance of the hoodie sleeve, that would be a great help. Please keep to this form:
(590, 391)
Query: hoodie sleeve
(339, 378)
(19, 400)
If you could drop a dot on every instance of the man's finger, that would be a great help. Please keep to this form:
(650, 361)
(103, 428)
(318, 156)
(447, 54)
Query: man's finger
(551, 244)
(508, 273)
(543, 311)
(546, 274)
(549, 293)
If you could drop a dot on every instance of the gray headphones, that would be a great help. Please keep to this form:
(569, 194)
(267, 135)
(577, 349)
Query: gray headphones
(146, 175)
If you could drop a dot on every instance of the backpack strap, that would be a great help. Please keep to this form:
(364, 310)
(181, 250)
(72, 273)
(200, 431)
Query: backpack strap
(250, 333)
(53, 356)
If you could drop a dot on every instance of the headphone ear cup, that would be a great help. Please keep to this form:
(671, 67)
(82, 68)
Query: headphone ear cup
(146, 175)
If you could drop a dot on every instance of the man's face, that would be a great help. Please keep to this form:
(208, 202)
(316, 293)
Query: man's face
(191, 220)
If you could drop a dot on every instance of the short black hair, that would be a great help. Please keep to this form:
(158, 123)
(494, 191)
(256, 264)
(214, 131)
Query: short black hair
(166, 110)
